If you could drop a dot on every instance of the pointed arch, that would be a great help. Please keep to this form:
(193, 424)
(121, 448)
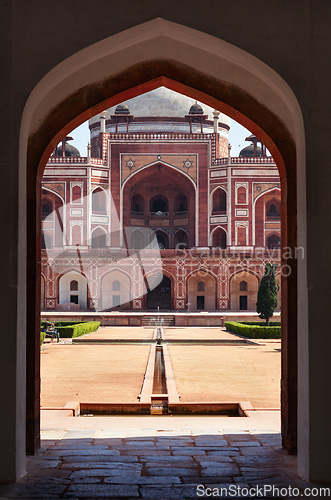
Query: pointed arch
(99, 200)
(105, 74)
(181, 239)
(218, 237)
(219, 201)
(156, 163)
(99, 237)
(273, 241)
(137, 239)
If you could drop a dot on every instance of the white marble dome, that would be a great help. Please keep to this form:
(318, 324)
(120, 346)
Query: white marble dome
(164, 103)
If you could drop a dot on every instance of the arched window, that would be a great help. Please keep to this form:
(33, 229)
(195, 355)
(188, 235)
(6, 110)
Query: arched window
(46, 209)
(76, 235)
(201, 286)
(241, 195)
(99, 201)
(162, 241)
(74, 286)
(181, 239)
(180, 204)
(99, 238)
(159, 204)
(137, 239)
(273, 209)
(219, 201)
(76, 194)
(274, 241)
(116, 286)
(137, 203)
(243, 286)
(219, 238)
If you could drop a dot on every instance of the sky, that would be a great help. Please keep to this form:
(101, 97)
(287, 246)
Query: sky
(237, 135)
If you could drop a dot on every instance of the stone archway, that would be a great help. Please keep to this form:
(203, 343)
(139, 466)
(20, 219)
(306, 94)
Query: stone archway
(228, 79)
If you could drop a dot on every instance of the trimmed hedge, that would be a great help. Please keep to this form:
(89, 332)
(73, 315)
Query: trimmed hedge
(261, 323)
(42, 337)
(253, 331)
(78, 329)
(59, 323)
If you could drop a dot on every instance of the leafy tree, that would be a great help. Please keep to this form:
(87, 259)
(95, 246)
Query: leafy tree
(267, 294)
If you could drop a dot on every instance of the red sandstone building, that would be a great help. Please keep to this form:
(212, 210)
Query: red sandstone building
(158, 214)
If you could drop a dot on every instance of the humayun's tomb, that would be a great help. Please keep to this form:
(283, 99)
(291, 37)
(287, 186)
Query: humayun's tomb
(158, 214)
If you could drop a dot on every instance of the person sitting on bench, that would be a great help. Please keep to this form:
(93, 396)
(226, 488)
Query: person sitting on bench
(51, 331)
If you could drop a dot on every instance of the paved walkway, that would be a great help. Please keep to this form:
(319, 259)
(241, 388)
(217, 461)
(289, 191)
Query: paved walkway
(159, 458)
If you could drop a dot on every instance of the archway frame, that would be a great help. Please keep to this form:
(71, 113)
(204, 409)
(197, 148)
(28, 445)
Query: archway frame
(162, 53)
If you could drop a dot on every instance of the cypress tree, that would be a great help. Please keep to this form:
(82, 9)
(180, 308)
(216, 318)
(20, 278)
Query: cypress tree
(267, 294)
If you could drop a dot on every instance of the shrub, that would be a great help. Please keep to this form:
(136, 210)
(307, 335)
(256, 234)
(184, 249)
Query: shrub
(253, 331)
(78, 329)
(42, 337)
(58, 323)
(260, 323)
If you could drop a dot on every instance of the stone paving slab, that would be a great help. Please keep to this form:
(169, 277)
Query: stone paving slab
(92, 468)
(102, 491)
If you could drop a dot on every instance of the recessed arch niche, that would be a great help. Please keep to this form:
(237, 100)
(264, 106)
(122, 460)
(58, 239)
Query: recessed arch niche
(70, 295)
(201, 291)
(115, 291)
(243, 291)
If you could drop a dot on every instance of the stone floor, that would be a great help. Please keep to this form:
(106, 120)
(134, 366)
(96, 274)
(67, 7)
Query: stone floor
(162, 462)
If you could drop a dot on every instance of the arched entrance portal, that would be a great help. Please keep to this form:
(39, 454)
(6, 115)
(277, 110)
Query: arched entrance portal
(259, 99)
(160, 296)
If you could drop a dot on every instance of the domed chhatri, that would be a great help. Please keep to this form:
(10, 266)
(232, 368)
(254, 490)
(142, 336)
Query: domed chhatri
(122, 109)
(248, 151)
(196, 109)
(253, 150)
(68, 149)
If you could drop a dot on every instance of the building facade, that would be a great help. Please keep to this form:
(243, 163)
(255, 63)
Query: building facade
(158, 214)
